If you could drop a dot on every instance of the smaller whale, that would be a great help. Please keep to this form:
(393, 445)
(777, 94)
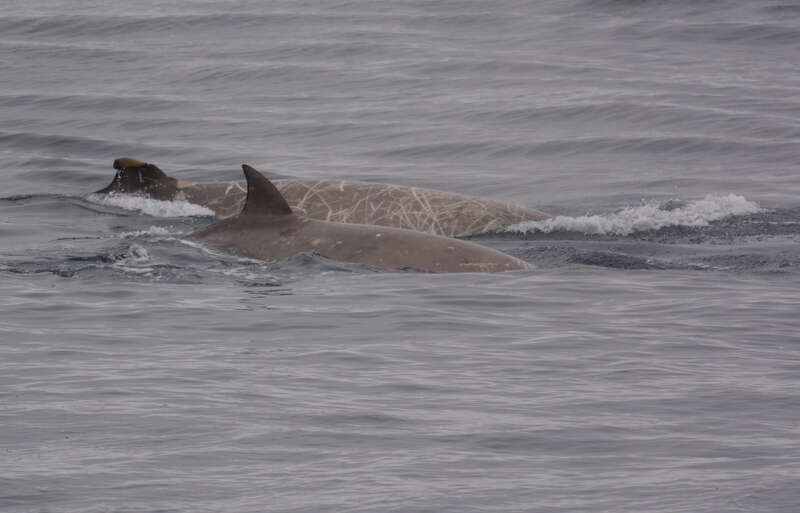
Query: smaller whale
(267, 229)
(347, 201)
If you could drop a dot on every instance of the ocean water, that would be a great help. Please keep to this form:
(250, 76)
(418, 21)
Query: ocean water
(651, 363)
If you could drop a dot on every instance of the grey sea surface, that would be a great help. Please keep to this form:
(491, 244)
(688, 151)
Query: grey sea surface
(651, 363)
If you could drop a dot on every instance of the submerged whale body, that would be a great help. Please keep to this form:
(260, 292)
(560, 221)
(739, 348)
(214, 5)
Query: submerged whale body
(267, 229)
(347, 201)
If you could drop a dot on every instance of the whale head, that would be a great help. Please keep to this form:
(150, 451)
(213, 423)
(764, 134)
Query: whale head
(137, 177)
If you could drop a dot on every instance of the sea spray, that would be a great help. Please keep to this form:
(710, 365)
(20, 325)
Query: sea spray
(647, 216)
(149, 206)
(153, 232)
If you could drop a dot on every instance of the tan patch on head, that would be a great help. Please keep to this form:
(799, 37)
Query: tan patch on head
(127, 162)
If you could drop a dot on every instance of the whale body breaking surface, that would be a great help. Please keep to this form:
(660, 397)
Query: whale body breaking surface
(268, 229)
(347, 201)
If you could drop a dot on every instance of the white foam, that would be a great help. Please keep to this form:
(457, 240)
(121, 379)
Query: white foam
(218, 254)
(149, 206)
(647, 216)
(135, 260)
(153, 231)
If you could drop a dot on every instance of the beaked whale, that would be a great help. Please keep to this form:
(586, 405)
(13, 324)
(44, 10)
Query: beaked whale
(347, 201)
(267, 229)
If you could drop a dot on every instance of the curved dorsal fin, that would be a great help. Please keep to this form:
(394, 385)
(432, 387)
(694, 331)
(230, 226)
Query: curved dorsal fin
(263, 198)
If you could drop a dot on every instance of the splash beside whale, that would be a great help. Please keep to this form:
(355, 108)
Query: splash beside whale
(267, 229)
(347, 201)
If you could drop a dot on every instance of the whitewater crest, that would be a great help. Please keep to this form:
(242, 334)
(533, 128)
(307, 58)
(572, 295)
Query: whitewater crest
(149, 206)
(647, 216)
(154, 232)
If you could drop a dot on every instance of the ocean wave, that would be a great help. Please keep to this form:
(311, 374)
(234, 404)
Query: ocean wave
(735, 33)
(106, 103)
(82, 51)
(153, 231)
(648, 216)
(149, 206)
(135, 257)
(670, 116)
(69, 144)
(102, 25)
(656, 144)
(206, 73)
(785, 10)
(119, 25)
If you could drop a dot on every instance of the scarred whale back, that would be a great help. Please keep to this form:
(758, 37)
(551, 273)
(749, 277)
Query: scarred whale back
(267, 229)
(350, 201)
(347, 201)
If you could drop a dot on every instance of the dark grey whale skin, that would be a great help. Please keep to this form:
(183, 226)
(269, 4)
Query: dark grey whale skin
(267, 229)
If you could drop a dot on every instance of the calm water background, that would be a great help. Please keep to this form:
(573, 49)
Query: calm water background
(651, 364)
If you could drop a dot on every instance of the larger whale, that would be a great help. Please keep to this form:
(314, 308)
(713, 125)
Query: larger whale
(267, 229)
(347, 201)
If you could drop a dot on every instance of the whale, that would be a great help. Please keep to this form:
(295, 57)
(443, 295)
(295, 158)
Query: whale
(268, 229)
(348, 201)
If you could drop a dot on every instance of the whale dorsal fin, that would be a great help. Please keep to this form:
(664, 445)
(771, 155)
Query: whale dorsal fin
(263, 198)
(137, 177)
